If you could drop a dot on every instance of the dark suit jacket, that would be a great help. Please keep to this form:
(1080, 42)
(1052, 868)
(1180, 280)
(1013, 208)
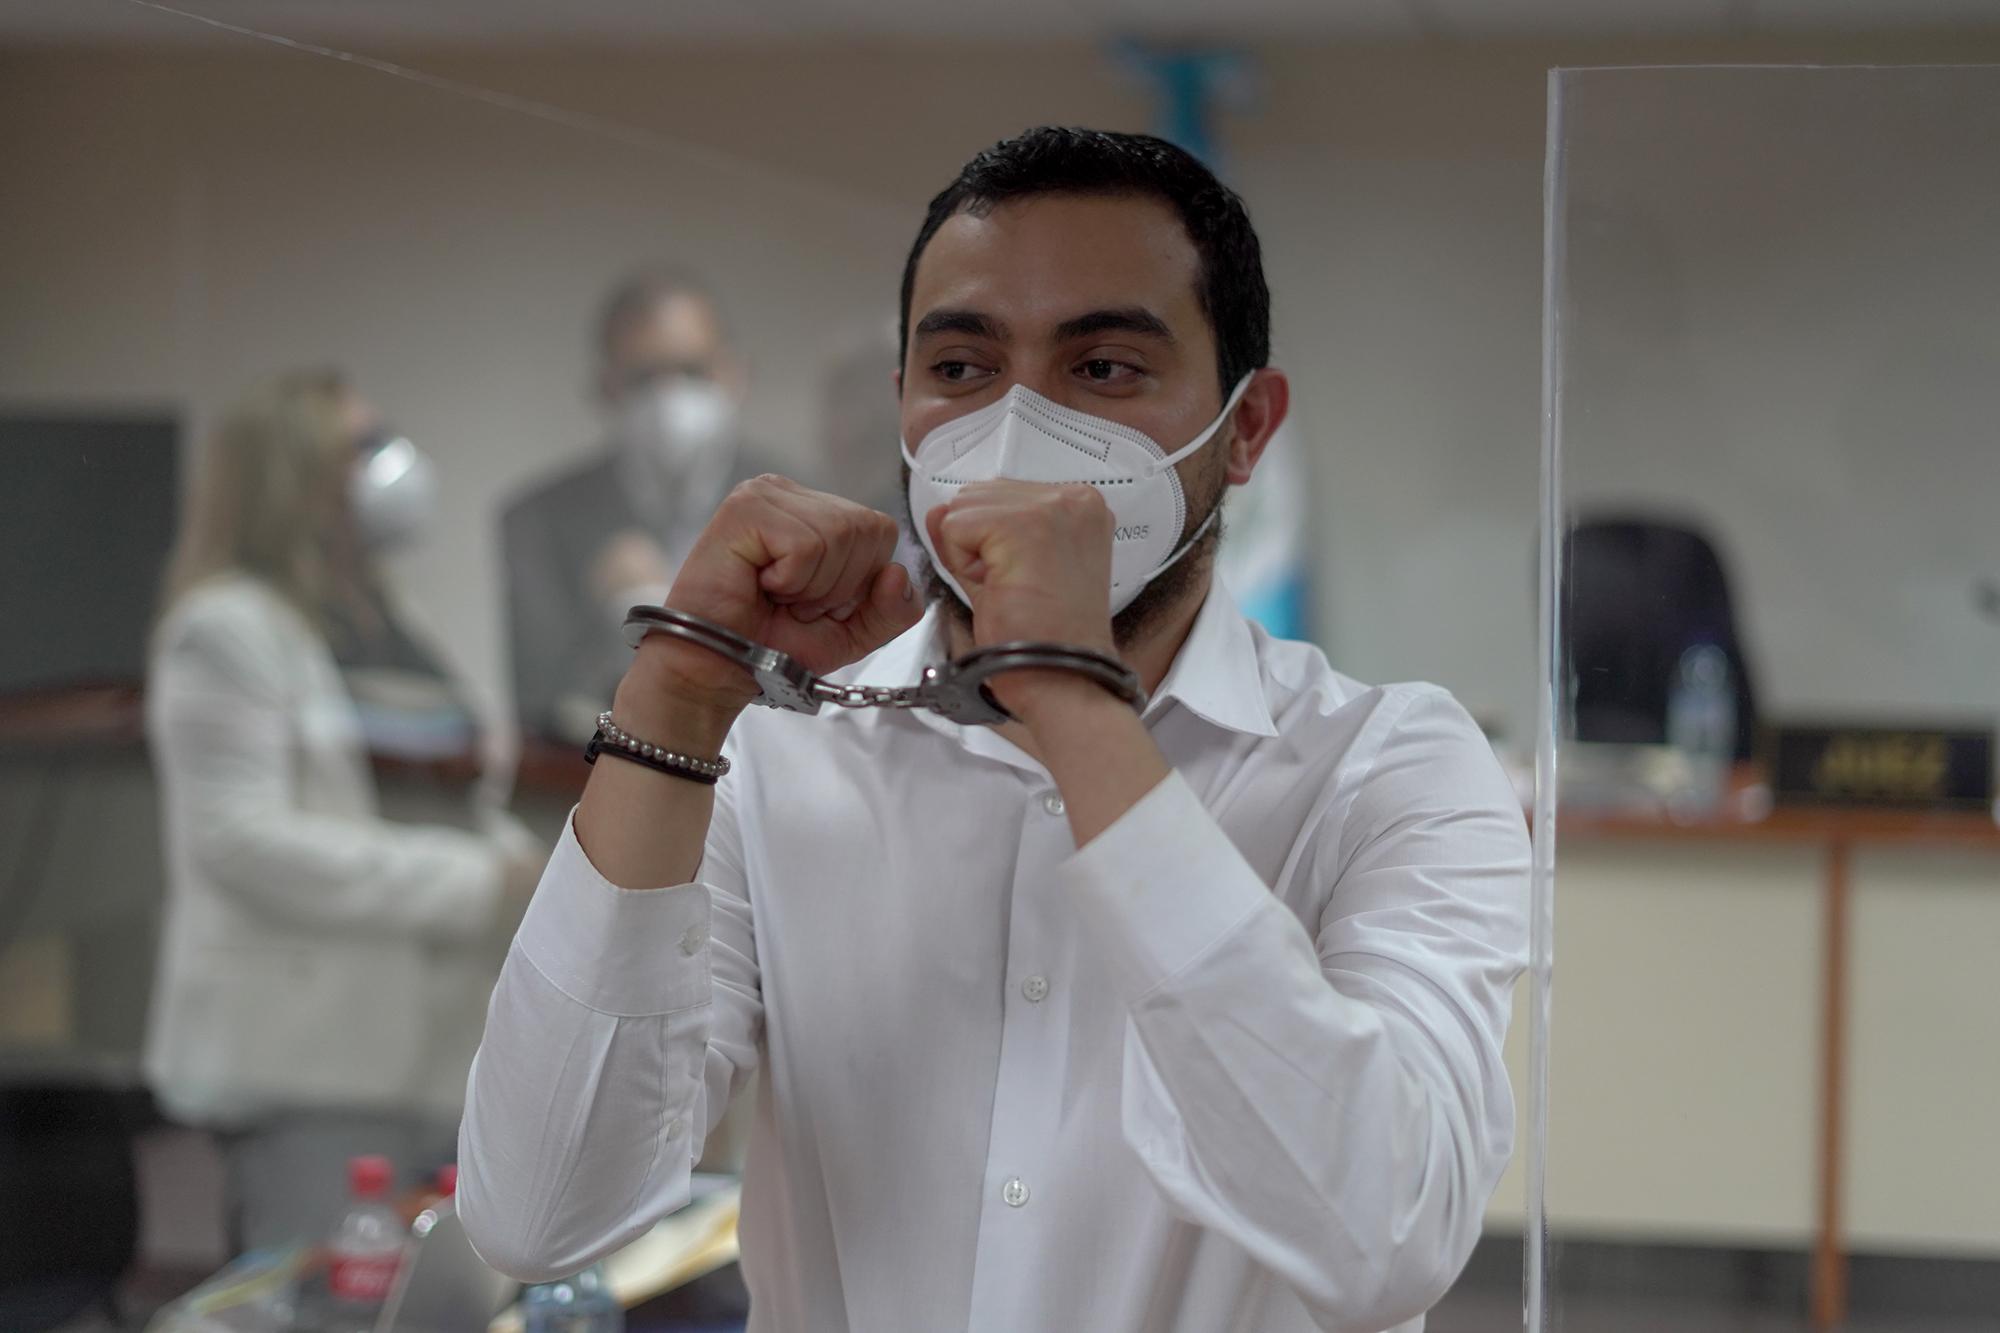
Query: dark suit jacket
(564, 644)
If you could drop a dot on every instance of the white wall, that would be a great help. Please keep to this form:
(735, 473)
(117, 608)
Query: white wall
(1782, 320)
(176, 223)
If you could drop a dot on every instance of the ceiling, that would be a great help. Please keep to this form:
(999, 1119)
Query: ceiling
(474, 22)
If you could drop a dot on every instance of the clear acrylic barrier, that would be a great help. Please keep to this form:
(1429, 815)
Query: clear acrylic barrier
(1773, 467)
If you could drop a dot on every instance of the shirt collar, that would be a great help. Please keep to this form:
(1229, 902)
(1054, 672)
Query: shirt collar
(1217, 675)
(902, 660)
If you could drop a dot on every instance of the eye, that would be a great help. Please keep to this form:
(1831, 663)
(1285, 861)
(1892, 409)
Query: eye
(1104, 370)
(957, 372)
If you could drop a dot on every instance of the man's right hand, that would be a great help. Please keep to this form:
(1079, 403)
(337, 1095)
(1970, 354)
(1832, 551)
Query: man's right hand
(803, 572)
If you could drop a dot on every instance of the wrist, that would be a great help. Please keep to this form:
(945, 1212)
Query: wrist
(1053, 704)
(1097, 748)
(658, 707)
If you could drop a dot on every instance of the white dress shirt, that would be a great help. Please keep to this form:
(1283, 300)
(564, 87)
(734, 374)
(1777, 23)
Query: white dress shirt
(1235, 1065)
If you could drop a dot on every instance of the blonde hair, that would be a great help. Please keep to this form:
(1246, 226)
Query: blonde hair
(270, 491)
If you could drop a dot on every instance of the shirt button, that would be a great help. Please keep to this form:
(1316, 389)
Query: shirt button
(1053, 803)
(1014, 1193)
(674, 1128)
(693, 938)
(1036, 989)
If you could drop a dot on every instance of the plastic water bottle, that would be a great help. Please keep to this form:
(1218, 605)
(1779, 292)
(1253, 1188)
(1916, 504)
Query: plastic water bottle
(579, 1304)
(1701, 725)
(365, 1250)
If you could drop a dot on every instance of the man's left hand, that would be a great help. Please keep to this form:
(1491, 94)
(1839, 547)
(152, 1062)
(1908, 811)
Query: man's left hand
(1035, 561)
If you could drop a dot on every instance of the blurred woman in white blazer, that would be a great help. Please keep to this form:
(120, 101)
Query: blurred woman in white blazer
(324, 960)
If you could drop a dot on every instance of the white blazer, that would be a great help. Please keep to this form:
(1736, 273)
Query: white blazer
(306, 939)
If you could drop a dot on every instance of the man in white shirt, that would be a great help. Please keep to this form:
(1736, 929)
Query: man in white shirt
(1186, 1020)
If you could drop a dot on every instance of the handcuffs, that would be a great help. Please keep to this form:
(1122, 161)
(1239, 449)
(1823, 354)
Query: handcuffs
(955, 690)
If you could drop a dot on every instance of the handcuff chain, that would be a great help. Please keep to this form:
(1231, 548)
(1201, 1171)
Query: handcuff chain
(869, 696)
(956, 690)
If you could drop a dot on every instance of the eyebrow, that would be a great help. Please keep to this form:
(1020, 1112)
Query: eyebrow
(1123, 319)
(969, 322)
(977, 324)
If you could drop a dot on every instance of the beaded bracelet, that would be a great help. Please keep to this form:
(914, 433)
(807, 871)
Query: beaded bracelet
(613, 740)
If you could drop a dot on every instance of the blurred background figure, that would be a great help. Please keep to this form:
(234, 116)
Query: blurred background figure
(586, 543)
(859, 418)
(858, 415)
(323, 967)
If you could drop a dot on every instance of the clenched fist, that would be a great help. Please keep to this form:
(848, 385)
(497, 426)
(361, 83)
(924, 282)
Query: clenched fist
(805, 573)
(1035, 562)
(1033, 558)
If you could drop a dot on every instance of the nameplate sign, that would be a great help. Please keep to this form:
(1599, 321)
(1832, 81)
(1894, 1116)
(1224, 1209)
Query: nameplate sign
(1909, 767)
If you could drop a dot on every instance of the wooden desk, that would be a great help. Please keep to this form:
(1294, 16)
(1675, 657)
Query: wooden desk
(551, 768)
(85, 715)
(1838, 832)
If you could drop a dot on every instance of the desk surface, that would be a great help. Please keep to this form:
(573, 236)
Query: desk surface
(87, 715)
(113, 714)
(551, 768)
(1969, 829)
(555, 769)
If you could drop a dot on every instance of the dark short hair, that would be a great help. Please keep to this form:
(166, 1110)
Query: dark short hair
(637, 295)
(1062, 160)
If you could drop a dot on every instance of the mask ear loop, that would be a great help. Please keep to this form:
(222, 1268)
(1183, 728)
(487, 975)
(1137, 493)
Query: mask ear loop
(1188, 545)
(1193, 538)
(1235, 397)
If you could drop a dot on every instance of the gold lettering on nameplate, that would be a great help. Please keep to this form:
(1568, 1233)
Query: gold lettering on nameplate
(1906, 767)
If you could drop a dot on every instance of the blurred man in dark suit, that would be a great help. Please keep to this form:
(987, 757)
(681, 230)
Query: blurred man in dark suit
(589, 541)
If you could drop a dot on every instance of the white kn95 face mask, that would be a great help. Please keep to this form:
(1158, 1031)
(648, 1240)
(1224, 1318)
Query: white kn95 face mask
(678, 422)
(393, 491)
(1026, 437)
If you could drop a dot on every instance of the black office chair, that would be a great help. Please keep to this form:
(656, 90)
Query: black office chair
(70, 1227)
(1638, 592)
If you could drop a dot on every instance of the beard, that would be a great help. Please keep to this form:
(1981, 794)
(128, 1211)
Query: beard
(1155, 602)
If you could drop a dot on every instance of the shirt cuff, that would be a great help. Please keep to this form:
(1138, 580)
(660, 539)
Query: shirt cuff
(1160, 887)
(633, 953)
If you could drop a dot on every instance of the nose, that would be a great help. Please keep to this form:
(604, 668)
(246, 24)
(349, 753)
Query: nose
(1052, 385)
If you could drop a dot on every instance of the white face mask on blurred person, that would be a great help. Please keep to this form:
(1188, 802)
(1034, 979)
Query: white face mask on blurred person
(678, 421)
(393, 491)
(1026, 437)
